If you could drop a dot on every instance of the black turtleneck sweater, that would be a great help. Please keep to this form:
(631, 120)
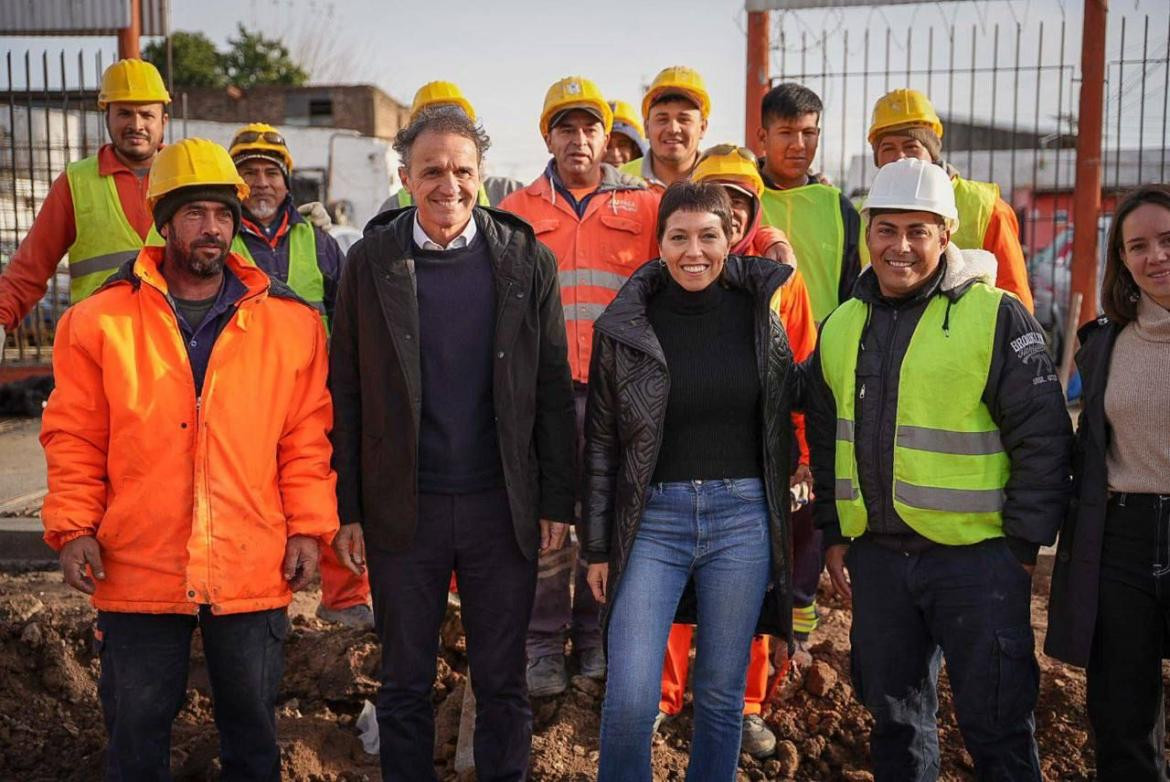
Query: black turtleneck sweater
(713, 427)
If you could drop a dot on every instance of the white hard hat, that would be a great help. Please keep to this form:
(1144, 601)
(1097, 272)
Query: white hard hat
(913, 185)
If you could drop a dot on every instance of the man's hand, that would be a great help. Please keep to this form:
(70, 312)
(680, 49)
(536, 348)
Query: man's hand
(300, 561)
(552, 535)
(3, 343)
(780, 656)
(78, 554)
(781, 252)
(835, 562)
(315, 213)
(349, 544)
(598, 580)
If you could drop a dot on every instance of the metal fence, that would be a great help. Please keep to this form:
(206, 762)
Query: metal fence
(1008, 97)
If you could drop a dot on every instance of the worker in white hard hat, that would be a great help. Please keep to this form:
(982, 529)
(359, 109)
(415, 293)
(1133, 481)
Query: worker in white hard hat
(940, 450)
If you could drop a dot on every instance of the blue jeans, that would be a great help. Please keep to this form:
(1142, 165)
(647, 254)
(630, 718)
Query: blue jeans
(716, 532)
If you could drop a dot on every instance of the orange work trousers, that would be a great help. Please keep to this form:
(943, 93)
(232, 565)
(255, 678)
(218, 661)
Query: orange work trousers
(678, 661)
(340, 588)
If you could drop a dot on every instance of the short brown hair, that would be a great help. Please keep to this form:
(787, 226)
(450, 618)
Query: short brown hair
(1119, 292)
(687, 196)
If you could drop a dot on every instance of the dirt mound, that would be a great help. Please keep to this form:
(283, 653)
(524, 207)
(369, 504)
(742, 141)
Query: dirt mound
(51, 727)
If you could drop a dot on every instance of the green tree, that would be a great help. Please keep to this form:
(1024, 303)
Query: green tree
(197, 62)
(254, 59)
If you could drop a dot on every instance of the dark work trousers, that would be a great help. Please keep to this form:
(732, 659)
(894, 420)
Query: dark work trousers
(1125, 690)
(143, 683)
(969, 605)
(807, 563)
(470, 534)
(555, 610)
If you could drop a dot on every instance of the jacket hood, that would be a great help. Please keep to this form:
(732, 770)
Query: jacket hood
(960, 269)
(626, 320)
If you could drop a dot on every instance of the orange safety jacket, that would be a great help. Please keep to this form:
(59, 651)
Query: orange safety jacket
(596, 250)
(192, 500)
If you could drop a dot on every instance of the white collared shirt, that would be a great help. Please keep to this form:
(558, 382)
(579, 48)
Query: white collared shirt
(425, 242)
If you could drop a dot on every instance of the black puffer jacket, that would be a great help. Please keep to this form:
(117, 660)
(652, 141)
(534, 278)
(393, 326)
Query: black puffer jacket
(376, 381)
(1076, 576)
(628, 390)
(1022, 392)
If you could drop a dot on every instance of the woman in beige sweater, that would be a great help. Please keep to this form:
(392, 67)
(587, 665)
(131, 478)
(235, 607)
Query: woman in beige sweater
(1110, 605)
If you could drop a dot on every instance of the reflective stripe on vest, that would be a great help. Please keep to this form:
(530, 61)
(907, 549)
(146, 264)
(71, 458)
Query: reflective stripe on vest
(405, 198)
(811, 217)
(104, 237)
(304, 275)
(950, 468)
(975, 202)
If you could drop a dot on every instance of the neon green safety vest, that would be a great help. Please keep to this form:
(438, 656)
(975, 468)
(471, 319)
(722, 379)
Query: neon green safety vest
(104, 238)
(975, 202)
(950, 468)
(406, 199)
(304, 275)
(811, 216)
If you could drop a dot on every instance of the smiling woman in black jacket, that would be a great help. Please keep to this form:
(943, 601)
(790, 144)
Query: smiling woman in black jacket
(687, 458)
(1109, 608)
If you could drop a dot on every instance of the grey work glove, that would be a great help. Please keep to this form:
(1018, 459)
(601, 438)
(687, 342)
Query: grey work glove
(315, 213)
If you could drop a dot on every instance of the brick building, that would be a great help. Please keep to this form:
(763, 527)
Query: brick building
(361, 107)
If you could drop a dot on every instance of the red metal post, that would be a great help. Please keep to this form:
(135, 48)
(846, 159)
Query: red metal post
(759, 54)
(1087, 192)
(128, 36)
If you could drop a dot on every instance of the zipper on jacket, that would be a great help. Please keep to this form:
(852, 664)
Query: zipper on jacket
(881, 419)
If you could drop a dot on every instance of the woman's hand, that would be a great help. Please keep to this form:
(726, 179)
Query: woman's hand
(598, 580)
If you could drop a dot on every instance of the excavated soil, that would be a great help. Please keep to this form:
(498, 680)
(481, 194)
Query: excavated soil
(51, 726)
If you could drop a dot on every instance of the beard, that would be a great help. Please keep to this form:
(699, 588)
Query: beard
(196, 265)
(262, 209)
(137, 154)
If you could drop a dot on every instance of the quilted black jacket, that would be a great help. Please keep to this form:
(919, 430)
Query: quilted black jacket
(628, 389)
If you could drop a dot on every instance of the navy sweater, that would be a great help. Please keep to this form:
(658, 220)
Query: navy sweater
(459, 452)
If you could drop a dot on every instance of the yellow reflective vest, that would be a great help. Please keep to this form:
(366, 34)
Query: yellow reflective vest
(304, 275)
(811, 217)
(950, 468)
(104, 237)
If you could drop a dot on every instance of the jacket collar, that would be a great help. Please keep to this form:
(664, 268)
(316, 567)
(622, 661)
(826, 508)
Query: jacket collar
(611, 180)
(146, 269)
(109, 163)
(626, 319)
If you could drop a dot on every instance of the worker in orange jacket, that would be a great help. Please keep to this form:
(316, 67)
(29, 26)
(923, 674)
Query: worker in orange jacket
(905, 124)
(96, 210)
(600, 226)
(188, 466)
(735, 168)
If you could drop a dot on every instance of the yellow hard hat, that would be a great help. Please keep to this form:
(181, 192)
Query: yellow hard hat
(259, 140)
(438, 93)
(192, 162)
(728, 163)
(678, 79)
(574, 92)
(132, 81)
(903, 108)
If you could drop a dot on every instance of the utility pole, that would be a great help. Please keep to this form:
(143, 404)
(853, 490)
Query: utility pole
(1087, 192)
(128, 36)
(759, 56)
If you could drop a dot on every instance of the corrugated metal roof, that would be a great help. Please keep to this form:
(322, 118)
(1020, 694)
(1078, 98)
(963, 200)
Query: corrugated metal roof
(78, 17)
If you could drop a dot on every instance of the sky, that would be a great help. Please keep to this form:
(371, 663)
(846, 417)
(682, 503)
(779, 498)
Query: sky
(505, 54)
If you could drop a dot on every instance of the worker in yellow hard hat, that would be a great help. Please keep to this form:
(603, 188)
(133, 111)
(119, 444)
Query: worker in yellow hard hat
(492, 189)
(190, 491)
(599, 225)
(275, 236)
(96, 210)
(627, 141)
(675, 110)
(905, 124)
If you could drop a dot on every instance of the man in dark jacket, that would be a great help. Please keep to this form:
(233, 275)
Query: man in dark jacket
(453, 440)
(940, 452)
